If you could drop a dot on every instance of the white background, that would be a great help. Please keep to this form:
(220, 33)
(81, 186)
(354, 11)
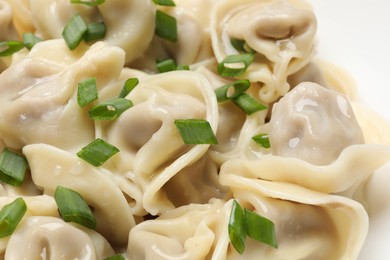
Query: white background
(356, 35)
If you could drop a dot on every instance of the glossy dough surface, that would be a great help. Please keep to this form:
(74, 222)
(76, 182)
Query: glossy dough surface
(159, 198)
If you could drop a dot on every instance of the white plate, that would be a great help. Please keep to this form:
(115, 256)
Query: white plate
(355, 34)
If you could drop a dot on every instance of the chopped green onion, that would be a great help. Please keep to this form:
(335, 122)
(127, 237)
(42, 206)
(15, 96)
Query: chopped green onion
(170, 65)
(235, 65)
(164, 2)
(236, 227)
(97, 152)
(95, 31)
(10, 216)
(73, 208)
(182, 67)
(89, 3)
(74, 31)
(110, 109)
(248, 103)
(225, 92)
(115, 257)
(166, 26)
(87, 91)
(195, 131)
(12, 167)
(260, 228)
(241, 45)
(129, 85)
(262, 139)
(166, 65)
(8, 48)
(243, 222)
(29, 40)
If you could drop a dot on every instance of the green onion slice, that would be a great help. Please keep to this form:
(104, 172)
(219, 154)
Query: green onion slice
(248, 103)
(115, 257)
(97, 152)
(262, 139)
(170, 65)
(164, 2)
(260, 228)
(12, 167)
(95, 32)
(129, 85)
(74, 31)
(110, 109)
(243, 222)
(241, 45)
(231, 90)
(166, 65)
(10, 216)
(29, 40)
(166, 26)
(87, 91)
(8, 48)
(183, 67)
(89, 3)
(73, 208)
(235, 65)
(195, 131)
(236, 227)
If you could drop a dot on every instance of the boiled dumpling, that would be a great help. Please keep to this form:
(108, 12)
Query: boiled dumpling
(313, 124)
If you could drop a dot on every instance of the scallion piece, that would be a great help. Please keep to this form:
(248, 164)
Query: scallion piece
(87, 91)
(73, 208)
(10, 216)
(195, 131)
(260, 228)
(235, 65)
(243, 223)
(89, 3)
(183, 67)
(236, 227)
(166, 26)
(170, 65)
(110, 109)
(115, 257)
(12, 167)
(129, 85)
(231, 90)
(241, 45)
(74, 31)
(262, 139)
(97, 152)
(248, 103)
(8, 48)
(95, 32)
(29, 40)
(164, 2)
(166, 65)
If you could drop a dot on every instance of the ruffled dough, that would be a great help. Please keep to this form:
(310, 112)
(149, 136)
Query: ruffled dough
(22, 18)
(130, 24)
(281, 33)
(52, 167)
(338, 176)
(7, 28)
(151, 147)
(52, 238)
(308, 225)
(42, 205)
(41, 105)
